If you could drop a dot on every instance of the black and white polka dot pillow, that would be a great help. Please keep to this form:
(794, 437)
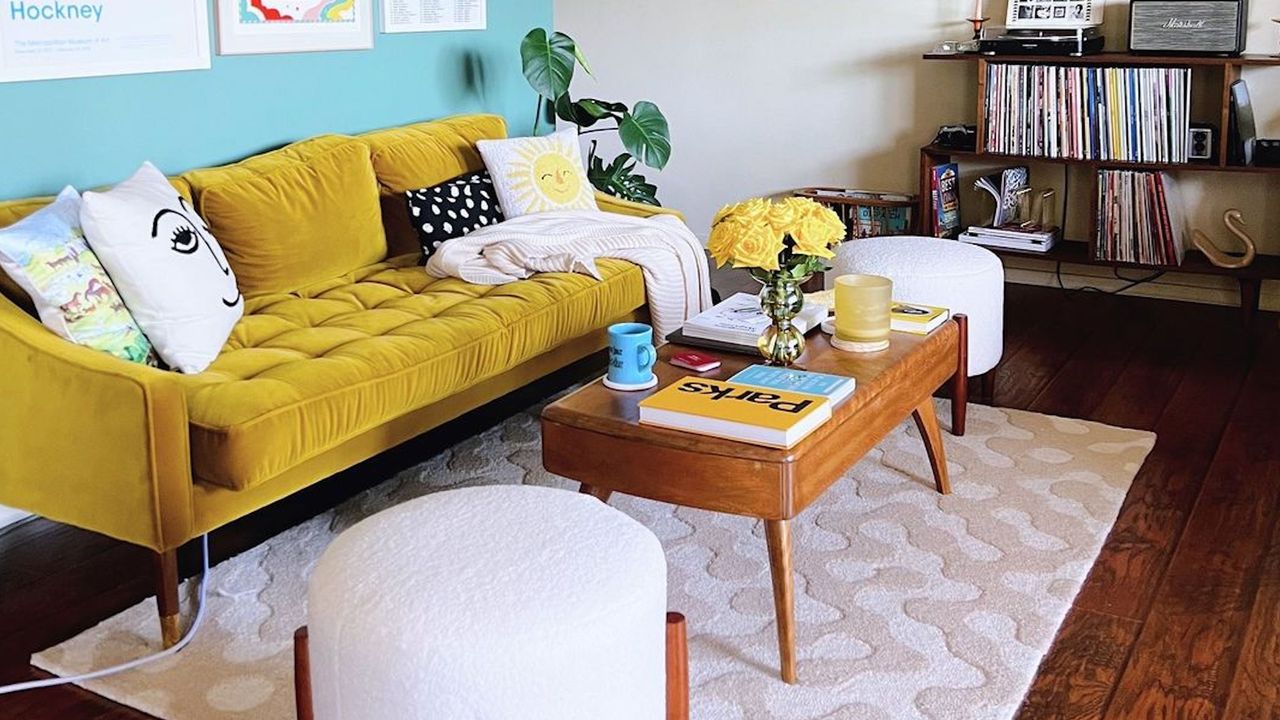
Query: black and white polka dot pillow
(453, 209)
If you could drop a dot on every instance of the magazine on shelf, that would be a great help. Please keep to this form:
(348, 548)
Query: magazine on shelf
(946, 200)
(1124, 114)
(1140, 218)
(1013, 238)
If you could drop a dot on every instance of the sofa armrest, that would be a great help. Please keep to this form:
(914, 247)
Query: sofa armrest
(91, 440)
(609, 203)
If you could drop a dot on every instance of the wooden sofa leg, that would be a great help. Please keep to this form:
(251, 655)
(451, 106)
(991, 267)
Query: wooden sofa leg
(677, 667)
(167, 602)
(302, 674)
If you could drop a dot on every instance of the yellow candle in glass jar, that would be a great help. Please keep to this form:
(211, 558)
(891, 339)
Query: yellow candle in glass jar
(863, 304)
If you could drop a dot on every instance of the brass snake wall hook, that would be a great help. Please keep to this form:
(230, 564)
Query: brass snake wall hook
(1223, 259)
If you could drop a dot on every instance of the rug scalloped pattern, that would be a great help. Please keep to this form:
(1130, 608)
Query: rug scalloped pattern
(909, 604)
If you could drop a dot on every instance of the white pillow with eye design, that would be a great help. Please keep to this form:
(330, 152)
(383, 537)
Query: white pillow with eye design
(166, 265)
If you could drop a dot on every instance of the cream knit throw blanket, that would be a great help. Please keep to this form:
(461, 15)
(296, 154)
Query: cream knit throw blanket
(676, 276)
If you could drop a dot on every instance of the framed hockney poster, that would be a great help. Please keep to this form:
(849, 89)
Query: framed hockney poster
(282, 26)
(48, 39)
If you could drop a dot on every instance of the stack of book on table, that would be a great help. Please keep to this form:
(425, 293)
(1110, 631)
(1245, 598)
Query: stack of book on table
(737, 323)
(1013, 237)
(774, 407)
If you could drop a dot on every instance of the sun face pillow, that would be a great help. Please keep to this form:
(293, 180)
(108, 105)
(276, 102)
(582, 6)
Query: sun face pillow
(46, 255)
(539, 174)
(167, 266)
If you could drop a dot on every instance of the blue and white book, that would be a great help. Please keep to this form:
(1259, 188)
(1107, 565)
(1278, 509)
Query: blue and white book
(833, 387)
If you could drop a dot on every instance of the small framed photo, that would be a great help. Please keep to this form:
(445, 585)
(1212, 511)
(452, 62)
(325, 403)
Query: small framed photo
(250, 27)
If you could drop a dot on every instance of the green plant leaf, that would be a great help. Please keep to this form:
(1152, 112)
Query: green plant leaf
(620, 180)
(582, 60)
(548, 62)
(587, 112)
(645, 134)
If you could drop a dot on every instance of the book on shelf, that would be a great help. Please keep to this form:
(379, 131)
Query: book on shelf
(1005, 187)
(917, 319)
(734, 411)
(739, 321)
(1121, 114)
(1140, 218)
(833, 387)
(1013, 237)
(946, 200)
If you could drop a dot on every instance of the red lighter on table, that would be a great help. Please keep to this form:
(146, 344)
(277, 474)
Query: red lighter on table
(696, 362)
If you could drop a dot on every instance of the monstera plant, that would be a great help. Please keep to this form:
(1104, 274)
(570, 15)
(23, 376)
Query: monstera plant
(550, 60)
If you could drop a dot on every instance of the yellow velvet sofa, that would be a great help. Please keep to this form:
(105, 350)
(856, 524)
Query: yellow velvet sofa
(346, 348)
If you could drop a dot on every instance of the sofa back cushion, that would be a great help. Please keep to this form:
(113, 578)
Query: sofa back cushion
(417, 156)
(303, 214)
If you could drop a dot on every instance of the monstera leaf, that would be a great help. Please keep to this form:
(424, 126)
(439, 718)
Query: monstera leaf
(549, 61)
(645, 134)
(620, 180)
(587, 111)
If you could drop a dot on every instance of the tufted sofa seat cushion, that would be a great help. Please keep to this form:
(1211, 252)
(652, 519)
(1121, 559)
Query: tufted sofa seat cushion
(305, 371)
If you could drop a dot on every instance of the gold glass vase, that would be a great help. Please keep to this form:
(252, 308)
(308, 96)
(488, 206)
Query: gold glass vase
(781, 300)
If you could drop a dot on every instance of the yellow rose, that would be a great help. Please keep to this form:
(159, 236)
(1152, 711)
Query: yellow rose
(758, 246)
(817, 230)
(745, 242)
(784, 215)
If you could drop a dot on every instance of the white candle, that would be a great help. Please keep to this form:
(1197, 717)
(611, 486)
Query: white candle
(977, 10)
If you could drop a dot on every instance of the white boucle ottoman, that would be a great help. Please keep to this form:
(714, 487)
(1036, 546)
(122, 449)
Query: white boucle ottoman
(491, 603)
(964, 278)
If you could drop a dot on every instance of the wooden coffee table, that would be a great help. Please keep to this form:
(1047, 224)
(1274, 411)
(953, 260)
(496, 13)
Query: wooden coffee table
(594, 437)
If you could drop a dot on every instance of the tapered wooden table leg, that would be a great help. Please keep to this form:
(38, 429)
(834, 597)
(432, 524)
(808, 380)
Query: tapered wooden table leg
(778, 535)
(926, 418)
(960, 381)
(595, 492)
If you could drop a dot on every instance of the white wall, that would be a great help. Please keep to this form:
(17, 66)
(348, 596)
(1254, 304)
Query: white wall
(768, 95)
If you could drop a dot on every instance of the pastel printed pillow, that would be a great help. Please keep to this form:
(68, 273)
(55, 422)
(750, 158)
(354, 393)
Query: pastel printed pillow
(46, 255)
(167, 266)
(539, 174)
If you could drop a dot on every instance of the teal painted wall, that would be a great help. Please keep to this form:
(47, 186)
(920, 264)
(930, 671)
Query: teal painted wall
(94, 131)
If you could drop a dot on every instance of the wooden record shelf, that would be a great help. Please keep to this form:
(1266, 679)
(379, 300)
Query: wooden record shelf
(1266, 267)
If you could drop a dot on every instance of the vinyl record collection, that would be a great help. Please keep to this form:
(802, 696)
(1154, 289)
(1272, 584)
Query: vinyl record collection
(1089, 113)
(1140, 218)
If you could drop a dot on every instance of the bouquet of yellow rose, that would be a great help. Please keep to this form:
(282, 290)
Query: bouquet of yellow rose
(795, 236)
(782, 244)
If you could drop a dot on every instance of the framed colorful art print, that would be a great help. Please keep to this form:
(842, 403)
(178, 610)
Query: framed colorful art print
(248, 27)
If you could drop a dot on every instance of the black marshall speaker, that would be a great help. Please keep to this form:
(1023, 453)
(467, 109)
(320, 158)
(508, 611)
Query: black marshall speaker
(1188, 27)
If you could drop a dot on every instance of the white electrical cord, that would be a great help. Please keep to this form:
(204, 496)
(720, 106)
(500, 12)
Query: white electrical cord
(186, 640)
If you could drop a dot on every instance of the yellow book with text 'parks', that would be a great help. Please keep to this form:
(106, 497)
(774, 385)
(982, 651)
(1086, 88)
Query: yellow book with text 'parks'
(720, 408)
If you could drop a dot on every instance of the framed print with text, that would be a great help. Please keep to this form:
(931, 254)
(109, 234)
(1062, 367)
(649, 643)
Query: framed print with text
(49, 39)
(407, 16)
(248, 27)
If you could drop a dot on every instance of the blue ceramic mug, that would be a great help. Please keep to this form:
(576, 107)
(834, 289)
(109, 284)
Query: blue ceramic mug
(631, 355)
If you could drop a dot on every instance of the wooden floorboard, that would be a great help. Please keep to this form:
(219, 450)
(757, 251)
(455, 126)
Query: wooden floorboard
(1179, 617)
(1184, 661)
(1076, 680)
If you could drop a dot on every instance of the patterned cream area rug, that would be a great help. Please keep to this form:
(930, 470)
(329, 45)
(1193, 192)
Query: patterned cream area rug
(910, 604)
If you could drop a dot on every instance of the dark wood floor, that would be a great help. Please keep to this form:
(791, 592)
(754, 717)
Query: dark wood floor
(1180, 617)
